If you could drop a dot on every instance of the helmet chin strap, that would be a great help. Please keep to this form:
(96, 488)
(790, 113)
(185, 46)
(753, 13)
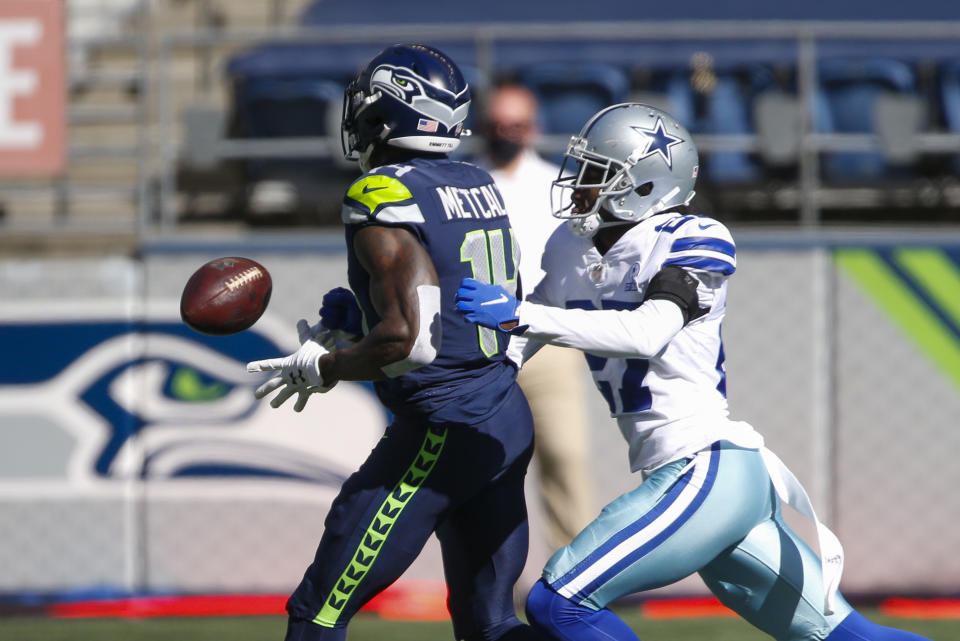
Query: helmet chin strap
(584, 226)
(615, 223)
(655, 208)
(588, 226)
(364, 159)
(365, 156)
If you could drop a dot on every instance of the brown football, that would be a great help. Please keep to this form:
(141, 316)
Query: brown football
(225, 296)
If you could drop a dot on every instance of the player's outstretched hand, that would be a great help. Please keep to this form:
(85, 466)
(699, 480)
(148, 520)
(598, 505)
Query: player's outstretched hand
(487, 305)
(339, 311)
(299, 373)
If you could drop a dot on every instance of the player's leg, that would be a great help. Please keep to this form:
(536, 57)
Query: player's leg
(484, 538)
(677, 521)
(484, 544)
(857, 628)
(560, 618)
(773, 580)
(375, 529)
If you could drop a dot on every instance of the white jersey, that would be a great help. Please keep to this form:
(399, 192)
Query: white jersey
(664, 381)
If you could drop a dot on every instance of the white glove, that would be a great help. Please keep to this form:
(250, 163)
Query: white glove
(299, 372)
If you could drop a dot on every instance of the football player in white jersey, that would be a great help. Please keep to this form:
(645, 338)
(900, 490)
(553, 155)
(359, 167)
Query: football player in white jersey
(640, 286)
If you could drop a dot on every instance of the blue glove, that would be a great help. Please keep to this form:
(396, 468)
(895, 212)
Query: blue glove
(487, 305)
(339, 310)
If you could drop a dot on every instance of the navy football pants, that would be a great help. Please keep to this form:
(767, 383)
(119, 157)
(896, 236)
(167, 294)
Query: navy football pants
(464, 482)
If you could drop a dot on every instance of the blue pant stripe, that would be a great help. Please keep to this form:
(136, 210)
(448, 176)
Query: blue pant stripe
(632, 528)
(657, 512)
(653, 543)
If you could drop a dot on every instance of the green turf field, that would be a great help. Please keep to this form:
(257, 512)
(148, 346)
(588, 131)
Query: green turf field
(372, 628)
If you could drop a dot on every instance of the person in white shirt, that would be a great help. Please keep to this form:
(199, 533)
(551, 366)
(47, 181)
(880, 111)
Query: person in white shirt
(553, 382)
(639, 285)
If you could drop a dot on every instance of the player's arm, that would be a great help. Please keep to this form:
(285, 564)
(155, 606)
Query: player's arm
(521, 347)
(671, 301)
(404, 291)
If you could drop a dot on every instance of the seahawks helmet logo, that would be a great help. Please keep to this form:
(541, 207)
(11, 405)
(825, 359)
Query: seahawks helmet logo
(415, 91)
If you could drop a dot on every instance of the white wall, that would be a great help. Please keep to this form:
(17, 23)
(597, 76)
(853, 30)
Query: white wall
(846, 398)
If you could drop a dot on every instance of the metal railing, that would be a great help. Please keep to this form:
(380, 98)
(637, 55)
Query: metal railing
(806, 39)
(158, 151)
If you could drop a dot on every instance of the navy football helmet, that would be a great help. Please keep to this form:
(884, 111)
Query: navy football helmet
(410, 96)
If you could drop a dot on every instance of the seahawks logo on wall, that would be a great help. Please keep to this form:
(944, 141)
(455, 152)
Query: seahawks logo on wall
(99, 395)
(417, 91)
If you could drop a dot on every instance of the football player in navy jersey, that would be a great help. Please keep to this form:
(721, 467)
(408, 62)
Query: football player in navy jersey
(639, 285)
(454, 459)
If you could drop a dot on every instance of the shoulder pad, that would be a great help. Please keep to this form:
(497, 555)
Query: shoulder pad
(703, 243)
(380, 197)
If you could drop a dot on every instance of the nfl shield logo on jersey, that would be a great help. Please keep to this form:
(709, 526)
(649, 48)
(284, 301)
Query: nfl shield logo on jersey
(596, 272)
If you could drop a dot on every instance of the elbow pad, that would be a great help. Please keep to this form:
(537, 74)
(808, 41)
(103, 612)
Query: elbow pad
(676, 284)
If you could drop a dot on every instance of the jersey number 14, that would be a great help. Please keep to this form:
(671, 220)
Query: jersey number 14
(486, 251)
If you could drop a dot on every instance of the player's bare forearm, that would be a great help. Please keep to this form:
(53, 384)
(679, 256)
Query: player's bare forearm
(397, 265)
(365, 359)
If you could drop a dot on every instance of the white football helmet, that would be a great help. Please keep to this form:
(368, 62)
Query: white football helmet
(639, 157)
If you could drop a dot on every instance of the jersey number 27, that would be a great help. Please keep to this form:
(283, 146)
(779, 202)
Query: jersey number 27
(633, 396)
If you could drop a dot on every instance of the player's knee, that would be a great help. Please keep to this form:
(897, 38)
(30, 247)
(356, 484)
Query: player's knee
(552, 613)
(561, 618)
(539, 603)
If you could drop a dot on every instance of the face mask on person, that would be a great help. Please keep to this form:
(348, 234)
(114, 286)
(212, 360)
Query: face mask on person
(505, 141)
(503, 150)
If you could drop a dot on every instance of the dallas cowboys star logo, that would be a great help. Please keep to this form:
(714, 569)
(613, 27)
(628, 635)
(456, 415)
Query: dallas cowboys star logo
(658, 141)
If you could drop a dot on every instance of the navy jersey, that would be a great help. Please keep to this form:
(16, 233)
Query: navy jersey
(456, 212)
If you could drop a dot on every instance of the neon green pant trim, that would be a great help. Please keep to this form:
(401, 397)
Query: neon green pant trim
(378, 531)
